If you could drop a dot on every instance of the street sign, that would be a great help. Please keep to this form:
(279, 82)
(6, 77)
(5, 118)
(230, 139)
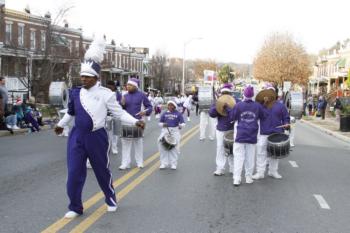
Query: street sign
(287, 85)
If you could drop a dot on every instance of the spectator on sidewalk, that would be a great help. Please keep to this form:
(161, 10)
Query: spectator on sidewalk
(338, 107)
(321, 106)
(7, 118)
(310, 102)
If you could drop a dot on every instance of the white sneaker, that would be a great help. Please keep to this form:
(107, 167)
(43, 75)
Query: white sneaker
(292, 145)
(218, 172)
(201, 139)
(140, 166)
(258, 176)
(9, 126)
(173, 167)
(71, 214)
(211, 139)
(149, 118)
(248, 180)
(115, 151)
(112, 208)
(188, 119)
(16, 127)
(275, 175)
(162, 166)
(122, 167)
(236, 182)
(88, 164)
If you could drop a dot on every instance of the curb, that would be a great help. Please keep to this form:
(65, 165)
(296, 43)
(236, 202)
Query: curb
(327, 131)
(5, 133)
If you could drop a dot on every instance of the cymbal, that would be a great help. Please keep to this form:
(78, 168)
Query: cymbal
(269, 94)
(221, 101)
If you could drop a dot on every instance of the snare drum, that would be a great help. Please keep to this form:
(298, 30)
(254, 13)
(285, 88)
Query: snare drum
(131, 131)
(168, 141)
(278, 146)
(228, 143)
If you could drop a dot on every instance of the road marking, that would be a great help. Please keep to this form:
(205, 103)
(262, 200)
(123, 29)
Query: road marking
(293, 163)
(59, 224)
(322, 202)
(86, 223)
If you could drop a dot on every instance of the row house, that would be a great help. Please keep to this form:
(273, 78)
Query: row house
(330, 72)
(33, 52)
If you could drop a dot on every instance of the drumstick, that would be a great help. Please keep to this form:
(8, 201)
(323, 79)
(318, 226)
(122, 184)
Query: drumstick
(281, 126)
(140, 112)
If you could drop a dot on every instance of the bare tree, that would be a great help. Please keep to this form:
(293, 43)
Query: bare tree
(159, 67)
(281, 59)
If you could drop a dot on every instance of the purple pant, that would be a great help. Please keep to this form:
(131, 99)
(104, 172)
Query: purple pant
(157, 110)
(92, 145)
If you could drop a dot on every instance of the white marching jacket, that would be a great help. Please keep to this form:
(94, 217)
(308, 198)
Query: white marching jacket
(96, 101)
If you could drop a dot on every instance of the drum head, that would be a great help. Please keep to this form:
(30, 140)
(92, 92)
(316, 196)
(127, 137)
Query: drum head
(278, 137)
(170, 139)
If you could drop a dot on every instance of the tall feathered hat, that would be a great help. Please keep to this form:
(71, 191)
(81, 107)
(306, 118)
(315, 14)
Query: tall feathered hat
(93, 58)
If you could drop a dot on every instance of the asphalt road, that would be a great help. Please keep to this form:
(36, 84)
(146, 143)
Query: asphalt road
(190, 199)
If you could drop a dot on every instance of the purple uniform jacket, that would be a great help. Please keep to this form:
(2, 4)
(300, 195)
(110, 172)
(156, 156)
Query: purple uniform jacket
(247, 113)
(134, 101)
(277, 115)
(83, 121)
(224, 122)
(173, 119)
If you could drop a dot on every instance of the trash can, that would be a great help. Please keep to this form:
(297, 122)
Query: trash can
(345, 123)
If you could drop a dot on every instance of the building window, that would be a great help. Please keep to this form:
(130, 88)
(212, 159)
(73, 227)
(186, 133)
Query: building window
(8, 33)
(43, 40)
(20, 35)
(77, 48)
(70, 46)
(32, 40)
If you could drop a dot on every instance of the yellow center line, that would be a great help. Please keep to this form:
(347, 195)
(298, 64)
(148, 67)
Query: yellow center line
(97, 214)
(59, 224)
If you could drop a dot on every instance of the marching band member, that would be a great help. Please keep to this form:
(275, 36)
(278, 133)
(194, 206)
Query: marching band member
(158, 102)
(151, 100)
(187, 105)
(132, 103)
(246, 114)
(171, 121)
(114, 138)
(224, 124)
(88, 138)
(277, 116)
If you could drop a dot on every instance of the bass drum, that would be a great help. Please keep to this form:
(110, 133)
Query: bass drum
(58, 94)
(278, 146)
(228, 143)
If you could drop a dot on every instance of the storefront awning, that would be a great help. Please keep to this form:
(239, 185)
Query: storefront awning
(341, 63)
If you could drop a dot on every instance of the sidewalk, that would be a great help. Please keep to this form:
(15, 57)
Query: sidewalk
(4, 133)
(328, 125)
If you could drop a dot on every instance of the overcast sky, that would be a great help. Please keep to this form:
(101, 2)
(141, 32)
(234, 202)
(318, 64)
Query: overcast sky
(232, 30)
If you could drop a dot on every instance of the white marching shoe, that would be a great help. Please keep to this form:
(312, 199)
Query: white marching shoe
(248, 180)
(112, 208)
(71, 214)
(218, 172)
(275, 175)
(236, 182)
(188, 119)
(162, 166)
(258, 176)
(122, 167)
(173, 167)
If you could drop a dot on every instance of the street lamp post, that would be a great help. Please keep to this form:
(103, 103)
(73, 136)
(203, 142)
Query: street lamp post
(183, 62)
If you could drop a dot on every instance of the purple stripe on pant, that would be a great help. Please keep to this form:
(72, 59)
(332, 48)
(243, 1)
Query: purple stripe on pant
(92, 145)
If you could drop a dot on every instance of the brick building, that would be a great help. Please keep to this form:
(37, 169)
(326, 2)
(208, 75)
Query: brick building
(34, 52)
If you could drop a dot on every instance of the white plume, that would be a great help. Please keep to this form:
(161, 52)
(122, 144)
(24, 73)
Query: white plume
(96, 50)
